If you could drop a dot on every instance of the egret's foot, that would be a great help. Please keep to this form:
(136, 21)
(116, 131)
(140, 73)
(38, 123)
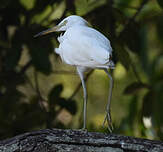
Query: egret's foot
(109, 122)
(84, 129)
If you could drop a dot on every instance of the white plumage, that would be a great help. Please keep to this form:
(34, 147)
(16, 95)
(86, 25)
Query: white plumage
(79, 46)
(84, 47)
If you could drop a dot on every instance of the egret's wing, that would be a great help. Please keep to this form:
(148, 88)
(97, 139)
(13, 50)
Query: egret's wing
(85, 46)
(94, 37)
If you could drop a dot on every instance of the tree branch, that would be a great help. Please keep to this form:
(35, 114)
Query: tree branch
(57, 140)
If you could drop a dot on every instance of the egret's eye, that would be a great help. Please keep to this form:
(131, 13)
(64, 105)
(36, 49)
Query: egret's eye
(64, 23)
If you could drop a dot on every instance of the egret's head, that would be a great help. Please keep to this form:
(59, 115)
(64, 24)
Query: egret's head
(68, 22)
(71, 21)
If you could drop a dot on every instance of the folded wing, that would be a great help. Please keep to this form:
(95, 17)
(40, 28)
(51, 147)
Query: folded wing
(85, 46)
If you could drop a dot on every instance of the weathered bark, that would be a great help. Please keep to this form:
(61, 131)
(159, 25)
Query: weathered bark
(57, 140)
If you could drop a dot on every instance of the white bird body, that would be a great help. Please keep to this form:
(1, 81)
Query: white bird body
(84, 47)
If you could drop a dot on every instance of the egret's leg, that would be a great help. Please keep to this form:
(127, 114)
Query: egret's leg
(108, 115)
(81, 75)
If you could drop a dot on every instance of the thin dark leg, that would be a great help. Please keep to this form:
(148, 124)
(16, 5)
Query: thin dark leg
(108, 115)
(81, 75)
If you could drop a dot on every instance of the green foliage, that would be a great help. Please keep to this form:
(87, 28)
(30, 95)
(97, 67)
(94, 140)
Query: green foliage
(159, 28)
(31, 96)
(133, 42)
(148, 103)
(40, 56)
(132, 88)
(160, 2)
(122, 55)
(54, 100)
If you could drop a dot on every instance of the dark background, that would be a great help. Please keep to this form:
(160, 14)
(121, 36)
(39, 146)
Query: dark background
(38, 91)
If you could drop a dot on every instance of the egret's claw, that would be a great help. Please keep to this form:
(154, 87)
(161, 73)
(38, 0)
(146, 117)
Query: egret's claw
(104, 121)
(109, 121)
(83, 130)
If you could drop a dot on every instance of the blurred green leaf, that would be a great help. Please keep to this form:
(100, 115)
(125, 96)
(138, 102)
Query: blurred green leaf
(11, 79)
(134, 87)
(13, 58)
(84, 6)
(27, 4)
(122, 55)
(40, 55)
(123, 4)
(159, 67)
(5, 3)
(148, 104)
(131, 37)
(30, 112)
(15, 51)
(160, 2)
(159, 28)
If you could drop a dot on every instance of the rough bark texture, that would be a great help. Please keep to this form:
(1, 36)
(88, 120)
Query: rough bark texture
(57, 140)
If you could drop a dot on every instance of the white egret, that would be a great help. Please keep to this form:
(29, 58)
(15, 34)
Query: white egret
(85, 48)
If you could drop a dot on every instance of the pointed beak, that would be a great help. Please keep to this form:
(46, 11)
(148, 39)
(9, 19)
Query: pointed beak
(53, 29)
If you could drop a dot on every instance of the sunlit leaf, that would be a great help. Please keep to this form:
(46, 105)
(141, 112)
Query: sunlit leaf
(27, 4)
(38, 18)
(85, 6)
(57, 10)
